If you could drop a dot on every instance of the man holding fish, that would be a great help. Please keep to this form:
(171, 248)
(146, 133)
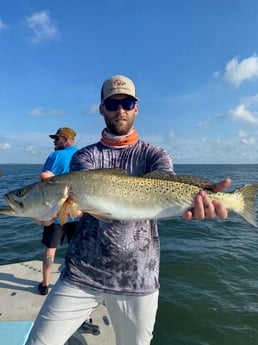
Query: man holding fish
(115, 262)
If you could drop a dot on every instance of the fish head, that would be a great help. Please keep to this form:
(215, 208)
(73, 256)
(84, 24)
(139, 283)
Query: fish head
(40, 200)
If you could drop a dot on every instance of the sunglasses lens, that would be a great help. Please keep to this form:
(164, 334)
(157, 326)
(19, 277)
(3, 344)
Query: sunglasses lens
(113, 104)
(128, 104)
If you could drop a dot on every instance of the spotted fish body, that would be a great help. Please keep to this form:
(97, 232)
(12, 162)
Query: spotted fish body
(110, 194)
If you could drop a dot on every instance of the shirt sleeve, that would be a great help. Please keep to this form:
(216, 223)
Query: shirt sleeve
(159, 159)
(82, 160)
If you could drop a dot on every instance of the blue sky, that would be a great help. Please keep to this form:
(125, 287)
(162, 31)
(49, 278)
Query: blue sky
(194, 62)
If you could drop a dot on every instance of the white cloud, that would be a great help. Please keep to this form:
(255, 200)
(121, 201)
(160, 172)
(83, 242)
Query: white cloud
(242, 133)
(204, 124)
(168, 138)
(170, 135)
(248, 141)
(93, 109)
(41, 27)
(245, 138)
(242, 113)
(236, 72)
(36, 112)
(3, 26)
(31, 148)
(56, 112)
(5, 146)
(39, 111)
(216, 74)
(251, 99)
(204, 139)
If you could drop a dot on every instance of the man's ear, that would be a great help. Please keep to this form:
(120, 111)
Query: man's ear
(136, 108)
(101, 109)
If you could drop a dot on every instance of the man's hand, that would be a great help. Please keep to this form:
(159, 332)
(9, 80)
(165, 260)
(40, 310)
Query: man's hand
(45, 223)
(205, 208)
(46, 174)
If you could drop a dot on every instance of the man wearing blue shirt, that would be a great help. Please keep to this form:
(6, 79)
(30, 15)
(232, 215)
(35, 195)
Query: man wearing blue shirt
(57, 163)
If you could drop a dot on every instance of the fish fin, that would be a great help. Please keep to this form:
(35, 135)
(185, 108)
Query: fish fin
(69, 210)
(187, 179)
(7, 211)
(63, 218)
(109, 171)
(66, 211)
(201, 182)
(248, 193)
(160, 174)
(102, 216)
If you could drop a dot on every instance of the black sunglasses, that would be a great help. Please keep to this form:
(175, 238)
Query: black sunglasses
(113, 104)
(57, 138)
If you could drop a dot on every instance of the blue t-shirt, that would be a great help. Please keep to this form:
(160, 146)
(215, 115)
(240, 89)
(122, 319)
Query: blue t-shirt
(58, 162)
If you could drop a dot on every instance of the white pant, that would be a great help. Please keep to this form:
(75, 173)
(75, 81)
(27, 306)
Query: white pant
(67, 307)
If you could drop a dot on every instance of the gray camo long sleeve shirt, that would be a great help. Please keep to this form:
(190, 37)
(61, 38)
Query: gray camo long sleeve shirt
(120, 257)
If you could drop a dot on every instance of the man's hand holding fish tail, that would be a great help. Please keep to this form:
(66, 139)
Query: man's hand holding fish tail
(205, 208)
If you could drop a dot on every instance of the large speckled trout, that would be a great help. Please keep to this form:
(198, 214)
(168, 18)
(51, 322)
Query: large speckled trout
(109, 194)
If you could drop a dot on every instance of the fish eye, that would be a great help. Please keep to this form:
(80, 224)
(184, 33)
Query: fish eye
(20, 193)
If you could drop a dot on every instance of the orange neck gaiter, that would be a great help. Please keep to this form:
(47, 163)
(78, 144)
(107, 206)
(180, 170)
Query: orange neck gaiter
(115, 141)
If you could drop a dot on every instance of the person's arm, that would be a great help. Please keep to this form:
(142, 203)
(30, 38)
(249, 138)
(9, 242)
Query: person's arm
(46, 174)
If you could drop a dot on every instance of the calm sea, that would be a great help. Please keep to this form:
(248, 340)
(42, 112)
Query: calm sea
(209, 269)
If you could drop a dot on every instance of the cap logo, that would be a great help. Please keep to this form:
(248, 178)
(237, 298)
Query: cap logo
(119, 83)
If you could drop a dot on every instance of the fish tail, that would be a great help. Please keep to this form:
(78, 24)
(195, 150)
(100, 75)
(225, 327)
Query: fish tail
(248, 211)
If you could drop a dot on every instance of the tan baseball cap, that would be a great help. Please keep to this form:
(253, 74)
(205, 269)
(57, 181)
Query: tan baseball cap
(118, 84)
(66, 132)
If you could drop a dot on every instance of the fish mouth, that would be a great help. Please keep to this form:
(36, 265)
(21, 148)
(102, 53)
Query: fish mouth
(14, 204)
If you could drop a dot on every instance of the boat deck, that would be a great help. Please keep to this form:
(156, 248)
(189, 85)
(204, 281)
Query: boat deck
(20, 301)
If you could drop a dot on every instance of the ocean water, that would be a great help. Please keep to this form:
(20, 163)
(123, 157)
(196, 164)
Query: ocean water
(209, 269)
